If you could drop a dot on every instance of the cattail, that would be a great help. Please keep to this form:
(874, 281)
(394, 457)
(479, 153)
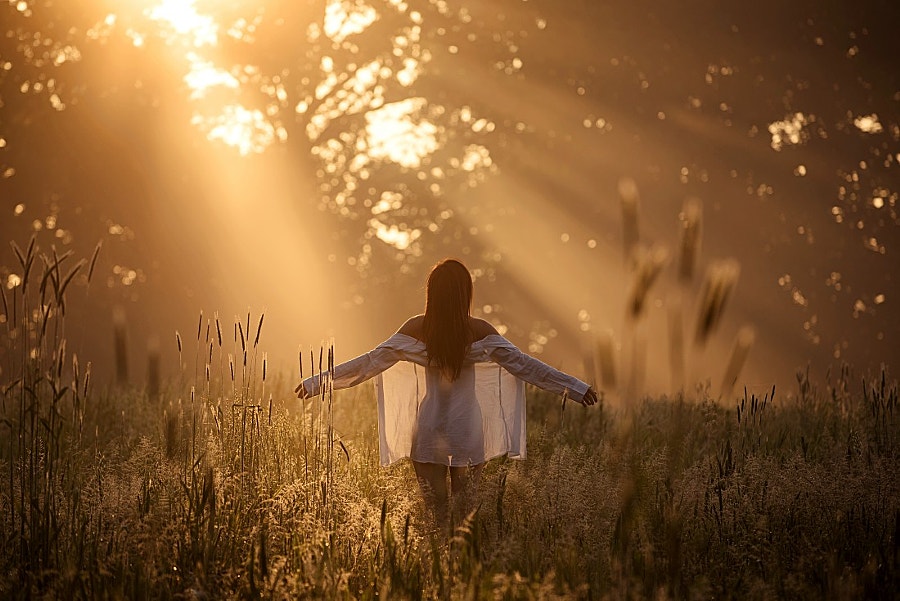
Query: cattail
(207, 330)
(210, 352)
(746, 336)
(259, 329)
(721, 278)
(649, 264)
(300, 361)
(178, 341)
(265, 364)
(200, 325)
(218, 330)
(231, 365)
(207, 373)
(690, 218)
(241, 331)
(628, 195)
(75, 373)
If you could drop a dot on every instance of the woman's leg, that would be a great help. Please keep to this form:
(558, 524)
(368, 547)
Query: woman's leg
(464, 489)
(432, 479)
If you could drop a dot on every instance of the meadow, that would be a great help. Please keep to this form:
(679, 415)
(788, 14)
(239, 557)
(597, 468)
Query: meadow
(219, 483)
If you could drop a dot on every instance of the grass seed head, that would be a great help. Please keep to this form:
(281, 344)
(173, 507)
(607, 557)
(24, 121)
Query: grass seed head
(721, 277)
(648, 265)
(87, 380)
(259, 329)
(690, 218)
(628, 195)
(744, 340)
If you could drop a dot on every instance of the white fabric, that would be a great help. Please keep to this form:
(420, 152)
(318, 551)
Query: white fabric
(426, 417)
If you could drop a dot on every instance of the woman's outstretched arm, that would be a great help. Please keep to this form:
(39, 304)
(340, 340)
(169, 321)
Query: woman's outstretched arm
(535, 371)
(359, 369)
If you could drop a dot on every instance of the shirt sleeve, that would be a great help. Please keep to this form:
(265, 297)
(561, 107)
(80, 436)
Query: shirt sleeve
(535, 371)
(358, 370)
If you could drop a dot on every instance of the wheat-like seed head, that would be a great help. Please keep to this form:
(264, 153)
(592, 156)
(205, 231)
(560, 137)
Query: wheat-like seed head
(721, 277)
(648, 265)
(87, 379)
(259, 329)
(690, 218)
(744, 340)
(628, 195)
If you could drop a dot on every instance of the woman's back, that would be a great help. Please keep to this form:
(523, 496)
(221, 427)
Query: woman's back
(478, 329)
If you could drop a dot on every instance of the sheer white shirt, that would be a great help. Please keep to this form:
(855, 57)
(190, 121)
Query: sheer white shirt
(426, 417)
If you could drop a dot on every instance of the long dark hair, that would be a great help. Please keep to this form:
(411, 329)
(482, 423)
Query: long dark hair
(445, 329)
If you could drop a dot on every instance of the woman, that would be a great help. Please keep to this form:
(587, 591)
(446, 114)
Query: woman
(450, 391)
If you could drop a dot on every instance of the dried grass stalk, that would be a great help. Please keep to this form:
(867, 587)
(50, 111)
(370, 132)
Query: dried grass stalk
(605, 361)
(743, 342)
(120, 344)
(628, 195)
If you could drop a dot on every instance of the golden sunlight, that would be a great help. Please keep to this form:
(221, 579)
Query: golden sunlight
(185, 23)
(393, 134)
(245, 129)
(205, 75)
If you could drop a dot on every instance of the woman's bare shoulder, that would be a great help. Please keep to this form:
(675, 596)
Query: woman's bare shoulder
(481, 328)
(413, 327)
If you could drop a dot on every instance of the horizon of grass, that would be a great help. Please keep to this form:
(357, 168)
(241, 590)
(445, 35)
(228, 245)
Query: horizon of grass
(223, 484)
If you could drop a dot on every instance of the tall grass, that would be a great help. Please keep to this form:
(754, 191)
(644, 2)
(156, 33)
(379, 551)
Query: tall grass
(218, 483)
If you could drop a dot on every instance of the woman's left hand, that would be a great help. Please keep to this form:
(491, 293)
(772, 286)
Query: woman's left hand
(302, 392)
(590, 398)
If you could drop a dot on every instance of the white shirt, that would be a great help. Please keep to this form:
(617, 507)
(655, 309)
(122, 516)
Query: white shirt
(427, 417)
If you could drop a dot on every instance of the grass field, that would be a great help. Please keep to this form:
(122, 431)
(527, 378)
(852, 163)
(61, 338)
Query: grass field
(220, 484)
